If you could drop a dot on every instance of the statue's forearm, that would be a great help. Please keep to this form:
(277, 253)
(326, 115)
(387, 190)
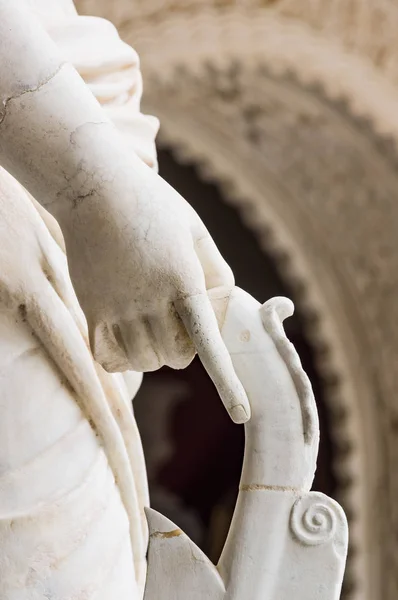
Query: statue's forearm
(54, 136)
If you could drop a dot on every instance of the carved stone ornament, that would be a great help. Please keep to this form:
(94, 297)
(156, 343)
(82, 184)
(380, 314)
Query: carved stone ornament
(284, 541)
(290, 107)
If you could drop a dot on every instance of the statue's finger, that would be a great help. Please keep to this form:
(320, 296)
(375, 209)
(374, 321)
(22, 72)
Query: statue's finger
(200, 321)
(172, 338)
(106, 349)
(138, 341)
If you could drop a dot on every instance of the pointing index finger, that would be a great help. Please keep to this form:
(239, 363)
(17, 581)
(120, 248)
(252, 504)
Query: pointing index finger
(200, 321)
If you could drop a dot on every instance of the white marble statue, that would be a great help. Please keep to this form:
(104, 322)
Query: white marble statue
(77, 155)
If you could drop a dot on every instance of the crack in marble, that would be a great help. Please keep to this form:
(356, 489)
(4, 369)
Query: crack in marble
(36, 88)
(254, 487)
(166, 534)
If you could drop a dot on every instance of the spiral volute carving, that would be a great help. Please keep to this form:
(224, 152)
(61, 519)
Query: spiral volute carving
(314, 519)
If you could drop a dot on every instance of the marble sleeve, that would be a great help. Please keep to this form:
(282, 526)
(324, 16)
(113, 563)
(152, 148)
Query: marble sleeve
(111, 69)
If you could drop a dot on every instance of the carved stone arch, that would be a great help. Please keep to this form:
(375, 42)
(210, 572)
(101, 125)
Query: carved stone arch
(363, 27)
(290, 125)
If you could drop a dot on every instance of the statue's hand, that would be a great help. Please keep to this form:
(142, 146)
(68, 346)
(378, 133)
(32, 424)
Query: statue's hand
(140, 259)
(142, 267)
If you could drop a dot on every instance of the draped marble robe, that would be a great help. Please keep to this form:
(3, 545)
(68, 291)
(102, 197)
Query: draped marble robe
(67, 432)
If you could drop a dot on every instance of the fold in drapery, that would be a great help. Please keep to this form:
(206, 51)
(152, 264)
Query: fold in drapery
(72, 476)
